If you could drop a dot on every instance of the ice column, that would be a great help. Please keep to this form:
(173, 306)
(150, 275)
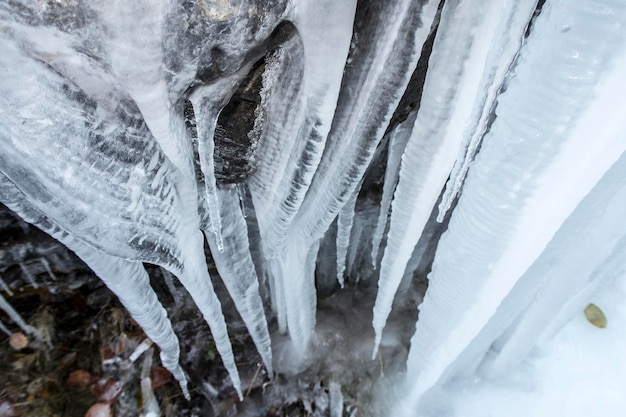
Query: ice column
(464, 71)
(325, 30)
(375, 81)
(535, 166)
(556, 286)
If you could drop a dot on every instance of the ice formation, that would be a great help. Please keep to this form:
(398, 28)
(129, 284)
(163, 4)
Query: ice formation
(110, 125)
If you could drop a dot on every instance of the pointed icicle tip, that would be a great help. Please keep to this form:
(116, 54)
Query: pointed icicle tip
(376, 345)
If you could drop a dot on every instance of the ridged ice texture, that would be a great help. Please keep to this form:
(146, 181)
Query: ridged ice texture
(207, 103)
(344, 229)
(513, 22)
(557, 286)
(238, 273)
(135, 51)
(107, 182)
(535, 166)
(294, 291)
(305, 111)
(466, 53)
(399, 137)
(372, 87)
(380, 65)
(126, 279)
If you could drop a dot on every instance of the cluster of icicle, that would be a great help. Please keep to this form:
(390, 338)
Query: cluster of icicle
(517, 121)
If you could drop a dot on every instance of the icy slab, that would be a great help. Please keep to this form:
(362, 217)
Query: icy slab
(535, 166)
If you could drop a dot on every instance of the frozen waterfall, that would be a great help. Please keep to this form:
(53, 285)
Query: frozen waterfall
(487, 135)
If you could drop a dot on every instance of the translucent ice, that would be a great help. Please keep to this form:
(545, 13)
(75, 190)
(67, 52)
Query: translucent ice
(537, 153)
(463, 71)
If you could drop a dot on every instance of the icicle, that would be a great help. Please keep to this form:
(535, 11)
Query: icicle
(149, 404)
(498, 64)
(377, 76)
(353, 250)
(535, 167)
(399, 138)
(136, 30)
(28, 275)
(295, 290)
(336, 399)
(241, 193)
(278, 295)
(194, 275)
(279, 187)
(46, 265)
(460, 71)
(127, 279)
(15, 316)
(5, 287)
(344, 229)
(4, 328)
(206, 106)
(238, 273)
(169, 282)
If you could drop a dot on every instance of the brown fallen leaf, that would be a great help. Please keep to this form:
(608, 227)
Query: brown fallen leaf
(159, 376)
(18, 341)
(595, 316)
(106, 390)
(79, 379)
